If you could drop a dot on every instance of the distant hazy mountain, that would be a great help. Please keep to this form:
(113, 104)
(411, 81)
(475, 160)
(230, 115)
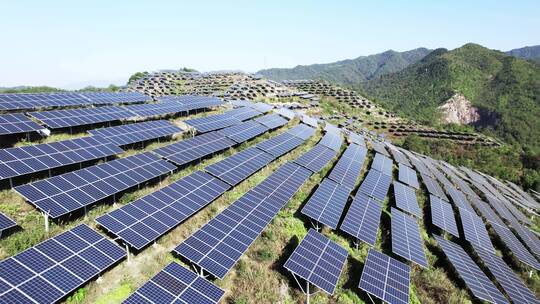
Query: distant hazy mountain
(351, 71)
(528, 52)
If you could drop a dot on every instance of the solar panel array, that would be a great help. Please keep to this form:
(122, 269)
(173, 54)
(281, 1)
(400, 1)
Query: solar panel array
(386, 278)
(244, 131)
(289, 114)
(332, 141)
(327, 203)
(399, 157)
(280, 144)
(78, 117)
(382, 164)
(137, 132)
(511, 283)
(474, 278)
(475, 230)
(63, 194)
(406, 239)
(316, 158)
(318, 260)
(433, 187)
(18, 101)
(146, 219)
(170, 107)
(236, 168)
(200, 146)
(459, 199)
(17, 123)
(379, 148)
(363, 218)
(51, 270)
(515, 246)
(176, 284)
(442, 215)
(35, 158)
(376, 185)
(406, 199)
(271, 121)
(347, 170)
(356, 139)
(220, 121)
(6, 223)
(487, 212)
(408, 176)
(219, 244)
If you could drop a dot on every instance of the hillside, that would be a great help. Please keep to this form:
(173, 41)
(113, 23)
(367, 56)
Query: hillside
(505, 90)
(528, 52)
(351, 71)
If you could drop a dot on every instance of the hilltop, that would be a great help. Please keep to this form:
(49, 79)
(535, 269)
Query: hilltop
(529, 52)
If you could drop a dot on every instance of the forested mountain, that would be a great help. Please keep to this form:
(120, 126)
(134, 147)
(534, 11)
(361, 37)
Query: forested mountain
(528, 52)
(351, 71)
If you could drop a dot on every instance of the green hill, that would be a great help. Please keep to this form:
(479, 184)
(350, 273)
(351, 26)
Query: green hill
(506, 89)
(528, 52)
(351, 71)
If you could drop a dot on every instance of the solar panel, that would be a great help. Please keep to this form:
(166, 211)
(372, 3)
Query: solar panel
(442, 215)
(244, 113)
(302, 131)
(379, 148)
(529, 238)
(382, 164)
(332, 141)
(22, 101)
(406, 199)
(158, 109)
(261, 107)
(515, 246)
(280, 144)
(474, 278)
(408, 176)
(63, 194)
(190, 99)
(51, 270)
(511, 283)
(212, 122)
(148, 218)
(406, 239)
(289, 114)
(349, 165)
(6, 223)
(356, 139)
(236, 168)
(441, 177)
(244, 131)
(308, 120)
(459, 198)
(376, 185)
(79, 117)
(330, 128)
(316, 158)
(420, 167)
(35, 158)
(517, 214)
(219, 244)
(176, 284)
(200, 146)
(487, 212)
(318, 260)
(363, 218)
(271, 121)
(399, 157)
(327, 203)
(501, 209)
(386, 278)
(17, 123)
(137, 132)
(475, 230)
(433, 187)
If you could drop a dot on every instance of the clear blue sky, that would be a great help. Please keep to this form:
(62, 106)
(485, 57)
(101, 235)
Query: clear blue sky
(76, 43)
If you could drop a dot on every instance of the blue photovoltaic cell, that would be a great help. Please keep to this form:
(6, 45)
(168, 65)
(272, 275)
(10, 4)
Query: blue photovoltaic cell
(219, 244)
(261, 107)
(63, 194)
(376, 185)
(243, 131)
(280, 144)
(406, 239)
(6, 223)
(349, 165)
(316, 158)
(79, 117)
(475, 230)
(515, 246)
(17, 123)
(158, 109)
(191, 99)
(289, 114)
(148, 218)
(220, 121)
(326, 204)
(302, 131)
(408, 176)
(176, 285)
(433, 187)
(474, 278)
(200, 146)
(379, 148)
(511, 283)
(272, 121)
(406, 199)
(332, 141)
(459, 198)
(236, 168)
(51, 270)
(386, 278)
(442, 215)
(318, 260)
(399, 157)
(35, 158)
(382, 164)
(363, 218)
(487, 212)
(356, 139)
(137, 132)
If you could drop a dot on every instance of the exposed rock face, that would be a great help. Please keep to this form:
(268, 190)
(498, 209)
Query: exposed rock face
(459, 110)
